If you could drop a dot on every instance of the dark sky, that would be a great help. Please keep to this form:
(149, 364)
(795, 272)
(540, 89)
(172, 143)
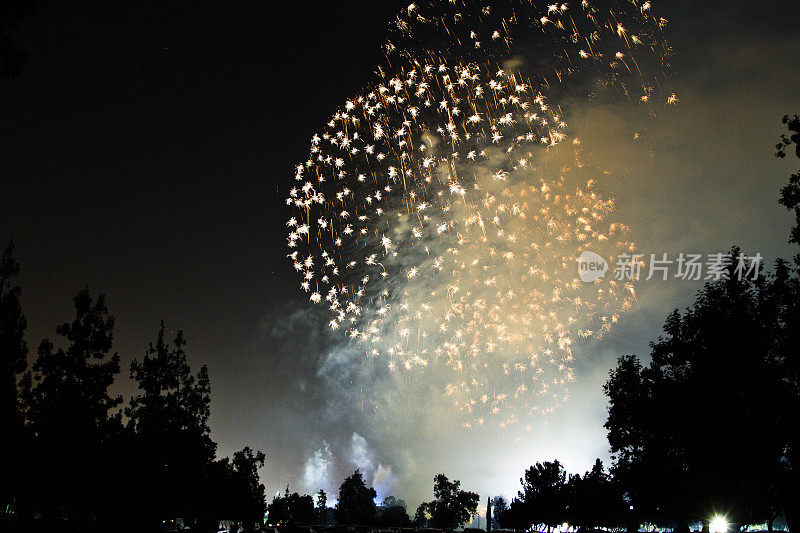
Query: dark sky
(142, 151)
(143, 147)
(146, 148)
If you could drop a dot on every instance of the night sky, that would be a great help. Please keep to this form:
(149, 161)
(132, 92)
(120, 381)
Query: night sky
(146, 150)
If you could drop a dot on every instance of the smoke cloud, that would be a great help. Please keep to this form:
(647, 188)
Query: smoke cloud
(672, 185)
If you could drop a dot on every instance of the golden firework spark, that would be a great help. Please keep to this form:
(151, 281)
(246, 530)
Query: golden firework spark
(423, 220)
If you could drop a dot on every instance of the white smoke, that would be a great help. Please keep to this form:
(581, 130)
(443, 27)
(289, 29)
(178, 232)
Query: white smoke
(360, 454)
(322, 470)
(318, 470)
(464, 307)
(384, 481)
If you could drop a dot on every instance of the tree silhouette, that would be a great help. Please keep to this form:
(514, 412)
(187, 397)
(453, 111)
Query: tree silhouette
(451, 506)
(392, 514)
(594, 500)
(790, 194)
(68, 459)
(516, 517)
(248, 491)
(421, 516)
(681, 420)
(500, 507)
(13, 363)
(640, 454)
(488, 515)
(69, 411)
(784, 299)
(291, 509)
(169, 421)
(544, 494)
(321, 511)
(356, 505)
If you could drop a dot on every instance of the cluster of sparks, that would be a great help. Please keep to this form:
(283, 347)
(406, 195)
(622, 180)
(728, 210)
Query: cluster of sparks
(424, 221)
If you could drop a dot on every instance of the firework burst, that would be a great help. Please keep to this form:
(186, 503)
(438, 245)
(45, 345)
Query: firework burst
(425, 222)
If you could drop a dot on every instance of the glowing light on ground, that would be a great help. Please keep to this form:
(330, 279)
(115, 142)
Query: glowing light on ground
(718, 524)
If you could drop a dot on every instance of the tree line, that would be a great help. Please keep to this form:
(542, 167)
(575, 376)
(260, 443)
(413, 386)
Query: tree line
(451, 507)
(708, 427)
(549, 497)
(710, 424)
(77, 457)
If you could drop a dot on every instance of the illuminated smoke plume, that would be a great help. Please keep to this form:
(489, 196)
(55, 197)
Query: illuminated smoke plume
(427, 222)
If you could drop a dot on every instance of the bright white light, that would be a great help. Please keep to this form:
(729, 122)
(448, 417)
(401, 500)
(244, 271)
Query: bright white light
(719, 524)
